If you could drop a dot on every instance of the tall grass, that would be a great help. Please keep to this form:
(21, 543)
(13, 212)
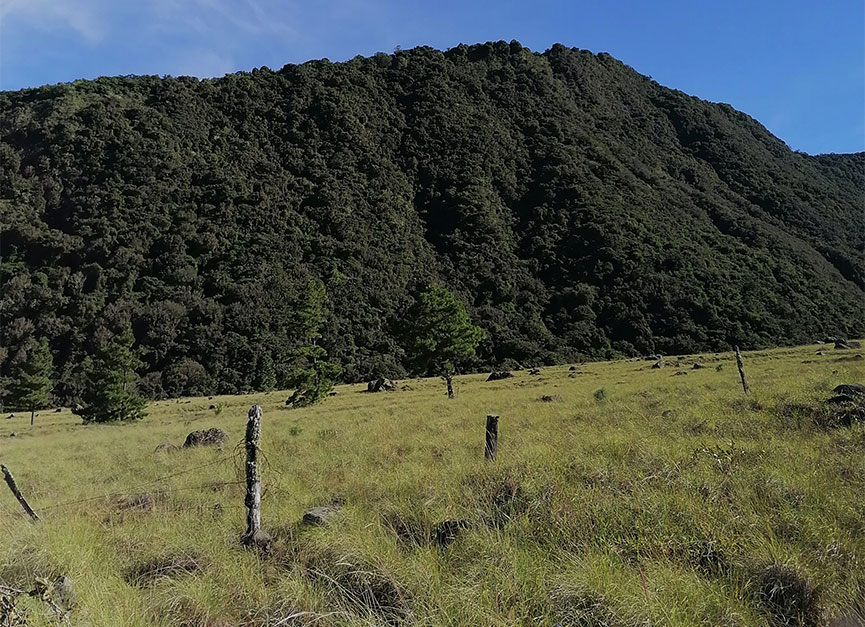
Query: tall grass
(666, 501)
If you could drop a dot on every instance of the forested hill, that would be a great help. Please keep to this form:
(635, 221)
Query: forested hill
(577, 208)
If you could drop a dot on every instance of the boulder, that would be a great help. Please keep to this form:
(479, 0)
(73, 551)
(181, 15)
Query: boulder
(850, 389)
(697, 366)
(841, 345)
(499, 375)
(659, 364)
(535, 371)
(10, 416)
(321, 515)
(381, 385)
(205, 437)
(572, 368)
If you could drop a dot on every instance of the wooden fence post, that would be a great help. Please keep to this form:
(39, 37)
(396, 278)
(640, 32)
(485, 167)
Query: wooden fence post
(10, 481)
(492, 440)
(741, 369)
(253, 478)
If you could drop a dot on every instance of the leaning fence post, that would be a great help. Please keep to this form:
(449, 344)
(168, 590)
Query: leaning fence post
(741, 369)
(10, 481)
(253, 477)
(492, 439)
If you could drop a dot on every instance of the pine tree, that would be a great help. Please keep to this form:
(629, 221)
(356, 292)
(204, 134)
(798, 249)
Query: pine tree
(110, 394)
(441, 335)
(31, 385)
(313, 377)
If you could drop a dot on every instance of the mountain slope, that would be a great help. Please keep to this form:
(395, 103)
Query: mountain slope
(577, 207)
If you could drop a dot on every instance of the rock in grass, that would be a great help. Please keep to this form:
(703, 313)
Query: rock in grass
(165, 447)
(205, 437)
(697, 366)
(551, 398)
(64, 593)
(659, 364)
(850, 389)
(381, 385)
(321, 515)
(499, 375)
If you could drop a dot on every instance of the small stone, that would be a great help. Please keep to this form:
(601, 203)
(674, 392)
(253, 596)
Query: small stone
(64, 592)
(320, 515)
(13, 435)
(205, 437)
(260, 541)
(679, 373)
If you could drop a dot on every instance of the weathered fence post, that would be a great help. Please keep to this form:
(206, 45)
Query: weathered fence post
(253, 478)
(10, 481)
(741, 369)
(492, 440)
(449, 379)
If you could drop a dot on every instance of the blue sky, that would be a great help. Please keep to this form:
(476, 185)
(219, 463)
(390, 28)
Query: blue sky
(797, 66)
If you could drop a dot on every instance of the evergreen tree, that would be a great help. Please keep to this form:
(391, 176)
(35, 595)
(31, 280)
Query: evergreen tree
(31, 386)
(110, 394)
(313, 377)
(441, 334)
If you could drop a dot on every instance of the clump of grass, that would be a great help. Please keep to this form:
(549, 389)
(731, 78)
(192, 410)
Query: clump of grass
(169, 565)
(357, 585)
(600, 395)
(788, 596)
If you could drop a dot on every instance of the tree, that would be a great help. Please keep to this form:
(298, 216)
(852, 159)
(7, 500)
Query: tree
(441, 335)
(313, 376)
(31, 386)
(110, 394)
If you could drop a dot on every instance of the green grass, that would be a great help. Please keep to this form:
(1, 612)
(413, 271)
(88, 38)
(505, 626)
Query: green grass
(661, 501)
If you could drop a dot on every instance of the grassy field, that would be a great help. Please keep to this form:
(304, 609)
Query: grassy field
(634, 496)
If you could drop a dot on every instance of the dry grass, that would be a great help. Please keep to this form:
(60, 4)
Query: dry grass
(664, 500)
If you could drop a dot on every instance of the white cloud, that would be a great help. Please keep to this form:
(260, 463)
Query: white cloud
(83, 17)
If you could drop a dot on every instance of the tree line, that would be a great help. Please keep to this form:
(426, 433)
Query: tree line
(575, 208)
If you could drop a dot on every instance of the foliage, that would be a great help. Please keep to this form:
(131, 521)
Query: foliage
(440, 334)
(578, 208)
(30, 385)
(110, 393)
(314, 377)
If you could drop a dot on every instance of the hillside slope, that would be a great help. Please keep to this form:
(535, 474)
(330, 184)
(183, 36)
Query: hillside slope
(577, 207)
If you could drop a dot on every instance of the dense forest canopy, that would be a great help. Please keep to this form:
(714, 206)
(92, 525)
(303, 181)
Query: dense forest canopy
(577, 208)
